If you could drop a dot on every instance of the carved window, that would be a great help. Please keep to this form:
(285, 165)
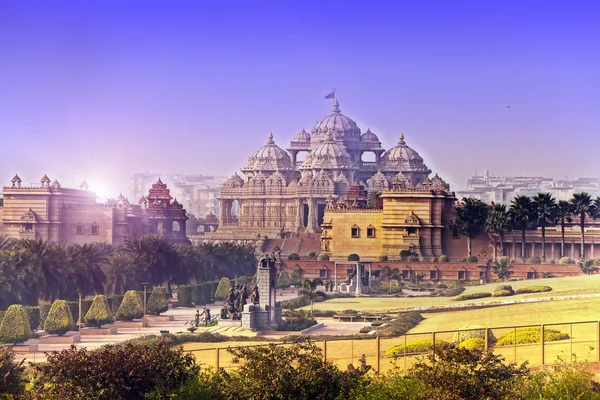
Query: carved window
(433, 274)
(531, 274)
(80, 229)
(411, 231)
(355, 231)
(370, 231)
(462, 275)
(322, 273)
(95, 229)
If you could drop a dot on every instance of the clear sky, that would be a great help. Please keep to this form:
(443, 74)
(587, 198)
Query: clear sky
(101, 89)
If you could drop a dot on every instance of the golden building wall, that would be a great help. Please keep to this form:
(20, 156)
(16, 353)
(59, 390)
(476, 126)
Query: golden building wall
(342, 243)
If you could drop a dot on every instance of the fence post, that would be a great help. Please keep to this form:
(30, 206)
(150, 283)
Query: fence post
(541, 340)
(486, 338)
(571, 341)
(433, 344)
(598, 340)
(325, 350)
(405, 351)
(217, 359)
(377, 355)
(515, 343)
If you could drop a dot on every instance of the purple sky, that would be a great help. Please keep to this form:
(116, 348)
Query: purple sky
(101, 89)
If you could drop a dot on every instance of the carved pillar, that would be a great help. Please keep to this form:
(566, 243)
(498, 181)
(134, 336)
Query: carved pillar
(532, 248)
(299, 211)
(514, 250)
(222, 211)
(573, 250)
(312, 215)
(592, 250)
(294, 155)
(552, 251)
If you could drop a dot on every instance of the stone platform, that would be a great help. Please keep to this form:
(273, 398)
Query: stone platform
(105, 330)
(67, 338)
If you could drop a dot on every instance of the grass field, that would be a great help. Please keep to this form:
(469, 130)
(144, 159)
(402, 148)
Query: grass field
(569, 285)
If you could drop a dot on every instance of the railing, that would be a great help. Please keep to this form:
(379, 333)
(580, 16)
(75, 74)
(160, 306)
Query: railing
(583, 344)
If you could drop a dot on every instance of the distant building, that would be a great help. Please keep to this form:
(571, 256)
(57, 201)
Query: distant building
(501, 190)
(52, 213)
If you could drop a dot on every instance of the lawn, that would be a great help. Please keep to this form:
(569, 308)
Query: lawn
(569, 285)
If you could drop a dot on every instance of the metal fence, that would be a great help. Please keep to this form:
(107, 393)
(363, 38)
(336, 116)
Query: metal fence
(568, 341)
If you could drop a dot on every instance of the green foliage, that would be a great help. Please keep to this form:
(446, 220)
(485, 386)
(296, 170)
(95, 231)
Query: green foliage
(402, 324)
(12, 382)
(99, 313)
(296, 277)
(293, 257)
(33, 316)
(503, 293)
(472, 259)
(203, 293)
(311, 254)
(283, 280)
(59, 320)
(533, 289)
(323, 257)
(131, 307)
(534, 260)
(565, 260)
(530, 335)
(414, 347)
(15, 325)
(405, 254)
(444, 258)
(159, 301)
(74, 307)
(223, 289)
(115, 302)
(184, 296)
(353, 257)
(44, 307)
(382, 258)
(472, 296)
(116, 372)
(503, 267)
(472, 344)
(296, 321)
(472, 332)
(453, 290)
(503, 287)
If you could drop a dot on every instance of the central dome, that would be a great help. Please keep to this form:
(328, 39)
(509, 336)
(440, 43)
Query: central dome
(328, 155)
(270, 157)
(340, 126)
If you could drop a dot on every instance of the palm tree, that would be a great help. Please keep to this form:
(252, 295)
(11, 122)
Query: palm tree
(12, 279)
(470, 219)
(499, 222)
(418, 278)
(503, 268)
(522, 217)
(564, 212)
(309, 291)
(122, 273)
(389, 274)
(86, 267)
(6, 242)
(588, 266)
(544, 207)
(582, 206)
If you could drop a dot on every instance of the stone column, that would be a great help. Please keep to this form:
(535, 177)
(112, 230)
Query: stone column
(592, 249)
(359, 269)
(514, 250)
(299, 211)
(552, 251)
(572, 250)
(311, 215)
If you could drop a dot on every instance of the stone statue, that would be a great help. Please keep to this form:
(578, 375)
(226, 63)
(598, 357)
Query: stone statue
(254, 298)
(224, 313)
(243, 297)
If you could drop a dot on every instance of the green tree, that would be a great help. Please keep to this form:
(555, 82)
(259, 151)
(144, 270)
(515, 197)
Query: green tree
(588, 266)
(122, 273)
(223, 289)
(503, 268)
(374, 200)
(131, 307)
(545, 209)
(417, 278)
(470, 219)
(99, 313)
(309, 291)
(59, 320)
(522, 218)
(12, 377)
(15, 326)
(583, 206)
(564, 213)
(389, 274)
(499, 222)
(158, 302)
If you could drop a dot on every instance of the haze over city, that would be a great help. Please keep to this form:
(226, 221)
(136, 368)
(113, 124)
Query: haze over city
(100, 90)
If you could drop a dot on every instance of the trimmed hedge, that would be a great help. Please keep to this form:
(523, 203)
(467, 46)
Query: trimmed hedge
(159, 301)
(59, 320)
(503, 287)
(283, 280)
(15, 325)
(99, 313)
(33, 316)
(44, 307)
(444, 258)
(503, 293)
(533, 289)
(565, 260)
(530, 335)
(223, 289)
(479, 333)
(131, 307)
(452, 291)
(184, 296)
(296, 277)
(324, 257)
(1, 315)
(534, 260)
(471, 296)
(202, 293)
(74, 307)
(472, 344)
(472, 259)
(404, 323)
(416, 346)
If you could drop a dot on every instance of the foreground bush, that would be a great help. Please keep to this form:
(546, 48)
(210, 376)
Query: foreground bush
(530, 335)
(473, 332)
(15, 325)
(223, 289)
(99, 313)
(415, 346)
(158, 302)
(115, 372)
(472, 296)
(59, 320)
(131, 307)
(12, 383)
(533, 289)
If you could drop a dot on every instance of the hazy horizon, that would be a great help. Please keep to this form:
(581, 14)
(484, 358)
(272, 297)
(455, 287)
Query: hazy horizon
(101, 90)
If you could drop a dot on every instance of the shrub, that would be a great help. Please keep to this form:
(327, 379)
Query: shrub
(503, 287)
(473, 344)
(471, 296)
(477, 333)
(533, 289)
(502, 293)
(530, 335)
(382, 258)
(404, 254)
(1, 316)
(323, 257)
(159, 301)
(283, 280)
(74, 307)
(444, 258)
(365, 329)
(59, 320)
(184, 296)
(353, 257)
(33, 316)
(534, 260)
(293, 257)
(296, 277)
(131, 307)
(99, 313)
(296, 321)
(12, 381)
(15, 325)
(413, 258)
(311, 254)
(565, 260)
(416, 346)
(223, 289)
(472, 259)
(404, 323)
(121, 371)
(44, 307)
(453, 290)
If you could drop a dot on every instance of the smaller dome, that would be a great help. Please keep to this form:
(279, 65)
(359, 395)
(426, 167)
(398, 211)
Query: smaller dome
(302, 137)
(234, 182)
(402, 158)
(270, 157)
(328, 155)
(369, 136)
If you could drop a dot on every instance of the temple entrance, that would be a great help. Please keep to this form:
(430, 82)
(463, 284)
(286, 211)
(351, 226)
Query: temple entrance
(305, 215)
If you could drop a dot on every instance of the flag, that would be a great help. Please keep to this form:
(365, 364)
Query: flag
(331, 95)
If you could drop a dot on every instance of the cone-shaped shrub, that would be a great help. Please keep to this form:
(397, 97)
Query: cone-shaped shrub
(15, 325)
(184, 296)
(131, 307)
(99, 313)
(223, 289)
(283, 281)
(60, 319)
(159, 302)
